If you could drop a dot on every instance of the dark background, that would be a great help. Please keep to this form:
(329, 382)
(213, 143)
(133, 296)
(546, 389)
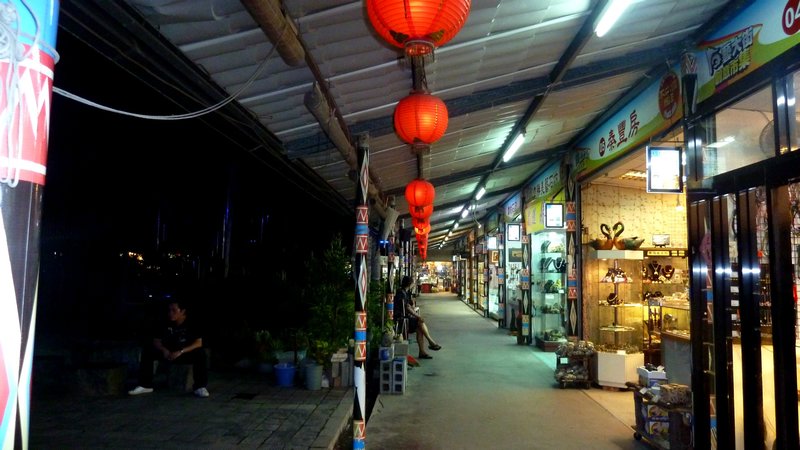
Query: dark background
(168, 191)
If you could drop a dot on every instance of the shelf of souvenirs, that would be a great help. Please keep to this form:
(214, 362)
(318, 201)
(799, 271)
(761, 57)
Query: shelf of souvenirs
(680, 334)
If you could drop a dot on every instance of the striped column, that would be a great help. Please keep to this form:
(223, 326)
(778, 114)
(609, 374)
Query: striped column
(362, 288)
(26, 68)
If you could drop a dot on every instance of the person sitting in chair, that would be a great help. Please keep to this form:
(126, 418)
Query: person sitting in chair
(404, 308)
(177, 342)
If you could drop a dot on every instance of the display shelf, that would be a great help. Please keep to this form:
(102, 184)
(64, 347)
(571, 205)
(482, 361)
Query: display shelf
(613, 283)
(548, 288)
(574, 364)
(616, 369)
(665, 293)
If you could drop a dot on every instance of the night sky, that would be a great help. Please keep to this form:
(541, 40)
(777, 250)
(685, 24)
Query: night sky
(116, 183)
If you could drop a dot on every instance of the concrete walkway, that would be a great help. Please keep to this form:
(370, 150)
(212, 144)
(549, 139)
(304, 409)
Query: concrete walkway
(482, 391)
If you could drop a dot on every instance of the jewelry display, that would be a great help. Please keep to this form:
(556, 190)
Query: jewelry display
(668, 271)
(560, 264)
(654, 269)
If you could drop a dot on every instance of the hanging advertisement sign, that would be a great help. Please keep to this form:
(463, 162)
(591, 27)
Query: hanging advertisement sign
(548, 186)
(654, 111)
(760, 33)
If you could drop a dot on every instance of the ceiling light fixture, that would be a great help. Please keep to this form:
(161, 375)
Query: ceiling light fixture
(725, 141)
(465, 212)
(612, 11)
(455, 226)
(480, 193)
(514, 147)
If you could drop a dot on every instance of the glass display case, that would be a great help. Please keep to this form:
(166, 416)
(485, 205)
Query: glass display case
(612, 288)
(665, 286)
(548, 290)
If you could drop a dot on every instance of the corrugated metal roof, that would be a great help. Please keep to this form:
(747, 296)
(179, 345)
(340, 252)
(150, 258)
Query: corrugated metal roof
(489, 75)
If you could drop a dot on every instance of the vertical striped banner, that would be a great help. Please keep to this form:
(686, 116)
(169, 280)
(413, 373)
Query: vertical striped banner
(362, 288)
(26, 69)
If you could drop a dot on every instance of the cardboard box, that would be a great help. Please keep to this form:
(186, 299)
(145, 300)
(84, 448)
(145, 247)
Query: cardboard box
(654, 413)
(657, 429)
(649, 378)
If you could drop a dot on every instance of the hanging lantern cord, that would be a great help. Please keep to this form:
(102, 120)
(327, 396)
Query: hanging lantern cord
(418, 72)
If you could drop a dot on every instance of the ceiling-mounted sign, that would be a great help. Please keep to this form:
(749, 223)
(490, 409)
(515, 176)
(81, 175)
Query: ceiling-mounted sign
(664, 169)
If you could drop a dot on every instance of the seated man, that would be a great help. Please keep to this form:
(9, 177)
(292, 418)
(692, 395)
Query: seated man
(404, 308)
(178, 342)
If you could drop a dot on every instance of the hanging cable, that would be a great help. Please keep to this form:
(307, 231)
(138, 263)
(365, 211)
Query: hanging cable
(190, 115)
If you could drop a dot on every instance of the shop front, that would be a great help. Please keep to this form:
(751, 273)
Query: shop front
(743, 172)
(696, 268)
(546, 227)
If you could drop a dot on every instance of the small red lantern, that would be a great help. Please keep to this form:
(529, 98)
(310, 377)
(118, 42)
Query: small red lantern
(420, 118)
(420, 192)
(418, 26)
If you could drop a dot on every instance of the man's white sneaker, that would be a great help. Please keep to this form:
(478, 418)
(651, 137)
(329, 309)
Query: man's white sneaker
(140, 390)
(202, 392)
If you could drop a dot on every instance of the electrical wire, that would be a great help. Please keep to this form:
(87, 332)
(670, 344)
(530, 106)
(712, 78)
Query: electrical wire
(190, 115)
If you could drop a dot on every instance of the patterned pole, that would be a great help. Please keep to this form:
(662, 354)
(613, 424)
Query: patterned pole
(28, 31)
(573, 319)
(524, 331)
(362, 288)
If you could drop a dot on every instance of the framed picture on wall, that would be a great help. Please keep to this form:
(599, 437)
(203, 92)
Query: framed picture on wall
(554, 215)
(515, 255)
(664, 169)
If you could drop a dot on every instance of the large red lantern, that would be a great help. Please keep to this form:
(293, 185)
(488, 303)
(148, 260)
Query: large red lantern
(420, 118)
(420, 192)
(418, 26)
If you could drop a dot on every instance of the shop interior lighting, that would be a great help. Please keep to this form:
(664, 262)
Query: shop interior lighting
(480, 193)
(455, 226)
(464, 213)
(678, 205)
(514, 147)
(609, 16)
(634, 175)
(725, 141)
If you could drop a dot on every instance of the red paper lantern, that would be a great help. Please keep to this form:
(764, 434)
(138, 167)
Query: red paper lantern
(418, 26)
(423, 230)
(420, 118)
(419, 222)
(420, 192)
(420, 212)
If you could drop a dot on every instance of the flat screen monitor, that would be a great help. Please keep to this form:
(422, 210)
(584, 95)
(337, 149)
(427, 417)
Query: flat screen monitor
(513, 232)
(554, 215)
(664, 169)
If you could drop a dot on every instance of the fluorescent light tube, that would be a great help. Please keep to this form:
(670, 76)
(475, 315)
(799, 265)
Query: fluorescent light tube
(480, 193)
(464, 213)
(455, 226)
(609, 16)
(514, 147)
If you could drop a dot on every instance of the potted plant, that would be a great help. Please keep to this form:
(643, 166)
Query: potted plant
(267, 347)
(330, 302)
(319, 360)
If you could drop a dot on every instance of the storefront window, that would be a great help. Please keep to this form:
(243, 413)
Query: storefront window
(791, 102)
(740, 135)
